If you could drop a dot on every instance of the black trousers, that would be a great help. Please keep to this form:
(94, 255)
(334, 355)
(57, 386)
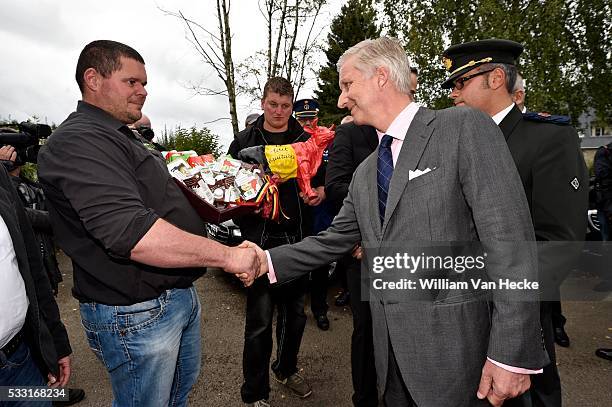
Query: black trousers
(363, 369)
(558, 320)
(318, 291)
(291, 320)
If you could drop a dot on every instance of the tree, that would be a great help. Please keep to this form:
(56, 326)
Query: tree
(591, 40)
(202, 141)
(292, 39)
(566, 45)
(216, 52)
(356, 22)
(291, 43)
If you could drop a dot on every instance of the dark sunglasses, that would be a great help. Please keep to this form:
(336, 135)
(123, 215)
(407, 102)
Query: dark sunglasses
(459, 83)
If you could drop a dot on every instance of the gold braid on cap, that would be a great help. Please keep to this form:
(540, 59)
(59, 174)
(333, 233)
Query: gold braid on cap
(472, 63)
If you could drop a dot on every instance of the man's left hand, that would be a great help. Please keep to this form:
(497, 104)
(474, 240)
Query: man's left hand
(320, 191)
(64, 374)
(8, 153)
(498, 384)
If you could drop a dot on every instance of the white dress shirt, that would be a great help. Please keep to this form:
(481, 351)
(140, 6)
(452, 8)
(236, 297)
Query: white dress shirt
(13, 298)
(497, 118)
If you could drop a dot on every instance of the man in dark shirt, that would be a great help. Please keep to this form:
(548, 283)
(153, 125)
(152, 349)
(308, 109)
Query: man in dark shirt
(135, 242)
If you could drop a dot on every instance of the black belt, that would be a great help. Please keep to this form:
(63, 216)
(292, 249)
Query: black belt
(12, 346)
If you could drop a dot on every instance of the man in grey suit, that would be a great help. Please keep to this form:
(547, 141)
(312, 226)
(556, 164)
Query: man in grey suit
(437, 176)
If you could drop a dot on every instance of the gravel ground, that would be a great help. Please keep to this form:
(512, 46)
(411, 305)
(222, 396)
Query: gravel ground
(324, 356)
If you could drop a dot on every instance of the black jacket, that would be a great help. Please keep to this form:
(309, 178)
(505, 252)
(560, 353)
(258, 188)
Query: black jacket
(44, 332)
(548, 159)
(299, 224)
(350, 147)
(602, 166)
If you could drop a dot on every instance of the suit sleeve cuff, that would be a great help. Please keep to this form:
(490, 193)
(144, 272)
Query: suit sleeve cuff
(514, 369)
(271, 274)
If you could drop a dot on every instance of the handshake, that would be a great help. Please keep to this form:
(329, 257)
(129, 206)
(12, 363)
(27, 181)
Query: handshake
(247, 261)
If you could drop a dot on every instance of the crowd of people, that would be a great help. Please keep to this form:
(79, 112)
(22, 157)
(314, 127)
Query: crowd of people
(482, 171)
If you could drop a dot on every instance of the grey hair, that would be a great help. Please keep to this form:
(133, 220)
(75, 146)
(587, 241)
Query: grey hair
(383, 51)
(519, 83)
(510, 71)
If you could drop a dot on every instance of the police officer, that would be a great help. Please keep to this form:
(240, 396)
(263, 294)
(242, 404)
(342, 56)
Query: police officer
(482, 75)
(306, 111)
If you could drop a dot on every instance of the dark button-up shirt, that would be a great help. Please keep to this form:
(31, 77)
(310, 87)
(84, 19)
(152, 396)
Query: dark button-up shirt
(105, 191)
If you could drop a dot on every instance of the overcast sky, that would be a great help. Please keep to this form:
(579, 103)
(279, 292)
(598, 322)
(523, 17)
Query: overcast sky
(41, 41)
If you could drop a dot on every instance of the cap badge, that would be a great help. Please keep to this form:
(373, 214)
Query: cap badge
(447, 63)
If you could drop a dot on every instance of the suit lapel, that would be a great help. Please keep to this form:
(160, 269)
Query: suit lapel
(416, 140)
(510, 121)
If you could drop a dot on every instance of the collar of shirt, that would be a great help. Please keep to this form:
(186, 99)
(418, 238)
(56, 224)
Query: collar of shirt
(398, 128)
(103, 117)
(497, 118)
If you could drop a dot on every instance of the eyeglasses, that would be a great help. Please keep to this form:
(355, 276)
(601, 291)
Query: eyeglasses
(459, 83)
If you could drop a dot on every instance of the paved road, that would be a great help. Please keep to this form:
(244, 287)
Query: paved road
(324, 359)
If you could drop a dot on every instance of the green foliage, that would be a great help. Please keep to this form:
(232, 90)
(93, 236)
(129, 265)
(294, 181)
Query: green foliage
(202, 141)
(356, 22)
(29, 171)
(567, 57)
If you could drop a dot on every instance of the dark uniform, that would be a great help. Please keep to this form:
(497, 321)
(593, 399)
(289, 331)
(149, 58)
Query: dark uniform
(351, 146)
(305, 111)
(555, 178)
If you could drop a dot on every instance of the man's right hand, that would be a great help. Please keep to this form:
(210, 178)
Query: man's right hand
(243, 261)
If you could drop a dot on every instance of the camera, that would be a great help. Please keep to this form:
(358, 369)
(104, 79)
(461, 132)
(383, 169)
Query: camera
(26, 140)
(146, 132)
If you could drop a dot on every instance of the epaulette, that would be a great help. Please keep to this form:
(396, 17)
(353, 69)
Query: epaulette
(544, 117)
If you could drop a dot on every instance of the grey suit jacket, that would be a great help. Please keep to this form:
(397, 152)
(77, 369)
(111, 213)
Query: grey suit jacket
(473, 194)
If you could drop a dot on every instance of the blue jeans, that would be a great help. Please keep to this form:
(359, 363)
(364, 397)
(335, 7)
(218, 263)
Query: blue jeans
(150, 349)
(20, 370)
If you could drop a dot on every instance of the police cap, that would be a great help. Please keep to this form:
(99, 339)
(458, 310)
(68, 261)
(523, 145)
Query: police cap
(461, 58)
(306, 108)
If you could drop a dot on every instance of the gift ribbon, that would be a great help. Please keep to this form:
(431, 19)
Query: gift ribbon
(268, 199)
(269, 195)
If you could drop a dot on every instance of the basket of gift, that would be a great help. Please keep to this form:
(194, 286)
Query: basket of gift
(224, 187)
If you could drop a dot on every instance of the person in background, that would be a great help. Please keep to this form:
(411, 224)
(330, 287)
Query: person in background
(558, 319)
(34, 345)
(306, 111)
(518, 93)
(482, 75)
(251, 119)
(276, 126)
(33, 200)
(142, 128)
(414, 80)
(351, 146)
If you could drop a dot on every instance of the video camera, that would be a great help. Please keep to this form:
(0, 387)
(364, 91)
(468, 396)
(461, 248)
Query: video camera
(27, 141)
